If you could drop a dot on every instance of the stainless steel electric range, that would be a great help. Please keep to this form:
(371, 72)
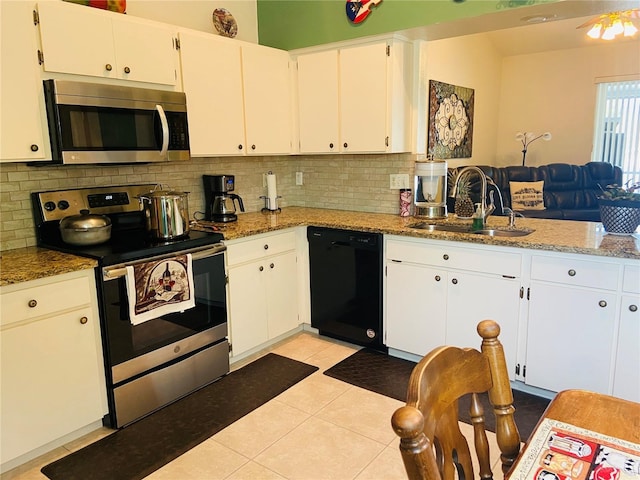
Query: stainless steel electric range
(150, 364)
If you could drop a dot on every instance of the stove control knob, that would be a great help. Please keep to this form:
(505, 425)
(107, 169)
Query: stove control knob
(63, 204)
(49, 206)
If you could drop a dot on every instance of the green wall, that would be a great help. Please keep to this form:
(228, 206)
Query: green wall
(291, 24)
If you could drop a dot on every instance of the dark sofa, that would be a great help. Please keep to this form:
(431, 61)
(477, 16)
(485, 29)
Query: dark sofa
(570, 191)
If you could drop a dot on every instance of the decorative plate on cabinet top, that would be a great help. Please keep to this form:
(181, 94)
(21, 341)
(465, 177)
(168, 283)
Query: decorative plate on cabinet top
(224, 23)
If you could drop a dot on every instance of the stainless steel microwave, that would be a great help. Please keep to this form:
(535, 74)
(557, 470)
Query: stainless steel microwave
(92, 123)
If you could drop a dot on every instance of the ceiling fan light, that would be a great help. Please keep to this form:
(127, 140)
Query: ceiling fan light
(617, 27)
(595, 31)
(609, 34)
(629, 29)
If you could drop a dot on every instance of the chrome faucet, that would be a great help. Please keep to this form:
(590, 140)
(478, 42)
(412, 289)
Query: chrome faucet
(486, 209)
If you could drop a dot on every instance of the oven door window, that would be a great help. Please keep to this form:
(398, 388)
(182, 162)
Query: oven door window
(127, 341)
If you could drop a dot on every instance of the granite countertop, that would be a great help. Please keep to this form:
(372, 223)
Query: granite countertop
(32, 263)
(551, 235)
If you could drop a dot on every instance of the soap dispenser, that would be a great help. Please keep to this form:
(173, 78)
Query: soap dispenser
(477, 218)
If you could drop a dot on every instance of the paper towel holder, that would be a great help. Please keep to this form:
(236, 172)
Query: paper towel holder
(267, 204)
(271, 199)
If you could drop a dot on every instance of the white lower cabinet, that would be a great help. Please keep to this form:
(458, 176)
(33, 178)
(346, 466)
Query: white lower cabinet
(51, 362)
(263, 283)
(569, 338)
(437, 293)
(626, 380)
(571, 323)
(415, 310)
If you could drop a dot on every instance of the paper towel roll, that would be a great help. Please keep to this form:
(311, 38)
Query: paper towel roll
(272, 191)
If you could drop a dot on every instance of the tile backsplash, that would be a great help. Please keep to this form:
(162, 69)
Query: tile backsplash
(344, 182)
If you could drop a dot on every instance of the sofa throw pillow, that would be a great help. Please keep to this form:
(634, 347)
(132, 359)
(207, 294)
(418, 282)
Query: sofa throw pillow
(527, 195)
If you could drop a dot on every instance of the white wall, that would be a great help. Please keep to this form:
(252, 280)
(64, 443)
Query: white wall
(470, 61)
(555, 92)
(197, 14)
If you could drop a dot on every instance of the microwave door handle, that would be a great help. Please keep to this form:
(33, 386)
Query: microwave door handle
(165, 130)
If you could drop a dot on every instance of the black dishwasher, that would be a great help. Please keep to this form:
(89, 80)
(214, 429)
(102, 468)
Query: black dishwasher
(345, 270)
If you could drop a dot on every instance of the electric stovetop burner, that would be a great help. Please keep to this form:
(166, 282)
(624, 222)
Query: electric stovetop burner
(129, 237)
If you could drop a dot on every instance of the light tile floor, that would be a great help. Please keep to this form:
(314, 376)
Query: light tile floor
(319, 429)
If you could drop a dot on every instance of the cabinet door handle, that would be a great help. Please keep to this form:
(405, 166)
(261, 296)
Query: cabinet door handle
(253, 147)
(108, 67)
(572, 273)
(34, 148)
(345, 144)
(633, 308)
(331, 145)
(602, 303)
(437, 277)
(261, 268)
(445, 256)
(266, 246)
(83, 320)
(127, 70)
(32, 303)
(240, 147)
(454, 281)
(271, 265)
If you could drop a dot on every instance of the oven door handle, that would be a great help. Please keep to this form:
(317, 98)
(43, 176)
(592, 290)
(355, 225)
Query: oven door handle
(117, 271)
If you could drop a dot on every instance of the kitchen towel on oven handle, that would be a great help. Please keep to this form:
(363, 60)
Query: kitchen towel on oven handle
(160, 287)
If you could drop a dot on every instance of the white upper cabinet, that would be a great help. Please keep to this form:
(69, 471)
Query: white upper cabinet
(318, 108)
(267, 99)
(363, 98)
(87, 41)
(212, 80)
(238, 96)
(23, 128)
(355, 98)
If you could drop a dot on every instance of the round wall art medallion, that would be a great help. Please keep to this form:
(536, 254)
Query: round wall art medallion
(224, 23)
(452, 122)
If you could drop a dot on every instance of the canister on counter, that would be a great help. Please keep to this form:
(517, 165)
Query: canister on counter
(405, 202)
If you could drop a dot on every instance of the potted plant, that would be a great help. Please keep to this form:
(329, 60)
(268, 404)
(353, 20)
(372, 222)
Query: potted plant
(620, 208)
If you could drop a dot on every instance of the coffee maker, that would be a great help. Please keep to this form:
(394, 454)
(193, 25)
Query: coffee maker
(220, 204)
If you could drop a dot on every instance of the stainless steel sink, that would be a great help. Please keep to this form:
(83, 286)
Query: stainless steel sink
(491, 232)
(502, 233)
(436, 227)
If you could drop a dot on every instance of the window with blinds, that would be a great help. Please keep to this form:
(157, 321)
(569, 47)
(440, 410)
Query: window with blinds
(617, 127)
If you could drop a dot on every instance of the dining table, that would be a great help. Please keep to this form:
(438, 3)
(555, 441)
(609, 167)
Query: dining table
(583, 435)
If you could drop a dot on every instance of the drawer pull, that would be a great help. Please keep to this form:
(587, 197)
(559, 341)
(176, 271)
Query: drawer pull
(127, 70)
(108, 67)
(83, 320)
(271, 265)
(602, 303)
(32, 303)
(266, 246)
(437, 277)
(572, 273)
(445, 256)
(454, 281)
(261, 268)
(633, 308)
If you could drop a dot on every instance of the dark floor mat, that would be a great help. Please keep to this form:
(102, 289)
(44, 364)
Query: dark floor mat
(389, 376)
(143, 447)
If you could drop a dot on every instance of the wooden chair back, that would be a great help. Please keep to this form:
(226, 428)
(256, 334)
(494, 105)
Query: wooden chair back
(431, 442)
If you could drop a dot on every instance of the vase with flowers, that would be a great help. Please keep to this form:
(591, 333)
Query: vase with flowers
(527, 138)
(620, 208)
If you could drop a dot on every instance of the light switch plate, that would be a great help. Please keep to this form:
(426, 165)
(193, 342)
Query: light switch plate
(398, 180)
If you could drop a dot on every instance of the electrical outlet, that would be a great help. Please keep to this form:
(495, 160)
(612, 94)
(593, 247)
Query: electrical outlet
(399, 180)
(299, 179)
